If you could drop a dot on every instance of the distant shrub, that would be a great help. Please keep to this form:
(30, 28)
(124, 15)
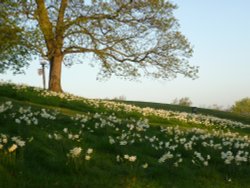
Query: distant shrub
(120, 98)
(242, 106)
(185, 101)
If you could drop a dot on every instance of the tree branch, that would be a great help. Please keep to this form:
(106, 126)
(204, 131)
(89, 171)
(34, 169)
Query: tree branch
(60, 24)
(45, 25)
(97, 16)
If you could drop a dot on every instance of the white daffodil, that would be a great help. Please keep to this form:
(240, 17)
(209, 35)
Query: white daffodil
(65, 130)
(12, 148)
(89, 151)
(87, 157)
(75, 152)
(145, 165)
(132, 158)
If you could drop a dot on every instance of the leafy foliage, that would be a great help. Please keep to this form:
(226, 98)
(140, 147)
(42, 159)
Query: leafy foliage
(44, 145)
(185, 101)
(14, 54)
(125, 38)
(242, 106)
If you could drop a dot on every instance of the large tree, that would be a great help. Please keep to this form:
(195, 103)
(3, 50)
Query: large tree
(130, 38)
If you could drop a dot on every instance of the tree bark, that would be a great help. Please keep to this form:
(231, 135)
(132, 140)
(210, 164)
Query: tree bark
(55, 72)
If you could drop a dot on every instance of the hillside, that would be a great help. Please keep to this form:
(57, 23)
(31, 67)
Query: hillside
(203, 111)
(60, 140)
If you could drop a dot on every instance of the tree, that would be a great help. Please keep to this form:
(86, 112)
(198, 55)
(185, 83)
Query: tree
(120, 98)
(185, 101)
(242, 106)
(13, 54)
(129, 38)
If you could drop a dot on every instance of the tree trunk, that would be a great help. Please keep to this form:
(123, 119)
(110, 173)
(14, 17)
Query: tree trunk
(55, 72)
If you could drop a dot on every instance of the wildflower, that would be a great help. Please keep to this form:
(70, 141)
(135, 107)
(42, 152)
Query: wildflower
(167, 144)
(199, 156)
(96, 116)
(145, 165)
(18, 121)
(228, 156)
(20, 143)
(205, 163)
(188, 145)
(123, 143)
(87, 157)
(57, 136)
(118, 158)
(151, 139)
(75, 152)
(31, 139)
(89, 151)
(132, 158)
(111, 140)
(126, 156)
(12, 148)
(9, 103)
(165, 157)
(65, 130)
(1, 146)
(180, 160)
(76, 136)
(5, 140)
(35, 121)
(70, 136)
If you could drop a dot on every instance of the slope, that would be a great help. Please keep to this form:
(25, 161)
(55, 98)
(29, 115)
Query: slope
(60, 140)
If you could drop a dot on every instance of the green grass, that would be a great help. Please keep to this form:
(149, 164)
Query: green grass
(43, 161)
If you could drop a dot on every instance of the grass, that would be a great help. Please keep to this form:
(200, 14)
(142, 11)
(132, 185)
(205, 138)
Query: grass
(52, 125)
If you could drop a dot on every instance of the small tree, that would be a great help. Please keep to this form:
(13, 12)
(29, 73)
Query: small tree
(120, 98)
(175, 101)
(242, 106)
(185, 101)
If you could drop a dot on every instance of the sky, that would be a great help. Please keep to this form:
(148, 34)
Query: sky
(219, 31)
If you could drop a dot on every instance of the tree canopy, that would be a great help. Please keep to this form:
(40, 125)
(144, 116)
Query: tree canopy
(129, 38)
(13, 53)
(184, 101)
(242, 106)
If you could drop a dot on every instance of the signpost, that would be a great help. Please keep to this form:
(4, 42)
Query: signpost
(42, 72)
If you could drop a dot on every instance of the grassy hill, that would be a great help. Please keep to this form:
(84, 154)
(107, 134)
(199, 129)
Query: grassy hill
(208, 112)
(60, 140)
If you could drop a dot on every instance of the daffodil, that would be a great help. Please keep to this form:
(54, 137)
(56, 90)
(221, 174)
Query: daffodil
(12, 148)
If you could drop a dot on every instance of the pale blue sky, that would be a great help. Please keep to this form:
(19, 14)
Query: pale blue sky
(219, 30)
